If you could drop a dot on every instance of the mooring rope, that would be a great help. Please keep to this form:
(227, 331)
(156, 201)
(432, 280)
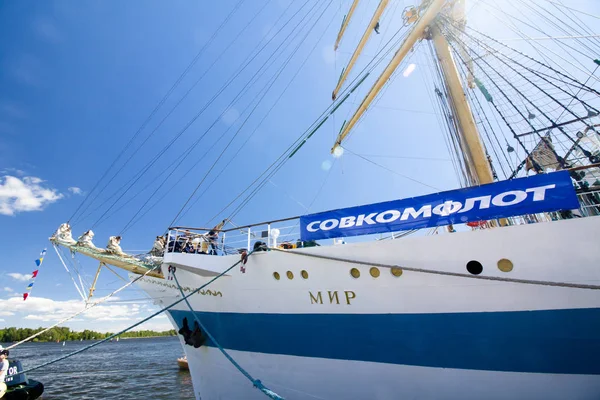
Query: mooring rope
(256, 382)
(87, 307)
(134, 325)
(438, 272)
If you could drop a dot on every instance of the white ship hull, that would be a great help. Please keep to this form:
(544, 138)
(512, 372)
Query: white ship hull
(415, 336)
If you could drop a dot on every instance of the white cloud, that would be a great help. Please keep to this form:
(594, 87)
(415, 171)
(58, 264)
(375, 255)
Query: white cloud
(27, 194)
(48, 310)
(19, 277)
(12, 171)
(8, 289)
(75, 190)
(2, 319)
(105, 317)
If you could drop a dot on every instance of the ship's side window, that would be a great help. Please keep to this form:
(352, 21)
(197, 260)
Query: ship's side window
(474, 267)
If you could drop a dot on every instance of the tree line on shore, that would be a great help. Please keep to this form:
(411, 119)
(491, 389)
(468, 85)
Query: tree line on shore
(14, 334)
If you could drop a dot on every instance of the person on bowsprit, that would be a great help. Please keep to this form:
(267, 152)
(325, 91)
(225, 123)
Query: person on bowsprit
(3, 370)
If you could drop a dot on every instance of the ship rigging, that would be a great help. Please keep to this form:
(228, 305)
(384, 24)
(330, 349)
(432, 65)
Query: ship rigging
(505, 114)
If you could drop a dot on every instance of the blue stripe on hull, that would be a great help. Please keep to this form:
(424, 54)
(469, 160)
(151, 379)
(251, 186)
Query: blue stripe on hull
(549, 341)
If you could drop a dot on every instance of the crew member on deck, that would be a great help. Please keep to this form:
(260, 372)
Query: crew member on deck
(3, 370)
(212, 237)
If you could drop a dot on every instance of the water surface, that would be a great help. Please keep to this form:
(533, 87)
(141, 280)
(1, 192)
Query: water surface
(126, 370)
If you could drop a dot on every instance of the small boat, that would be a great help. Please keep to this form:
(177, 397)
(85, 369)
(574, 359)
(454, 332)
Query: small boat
(183, 363)
(18, 386)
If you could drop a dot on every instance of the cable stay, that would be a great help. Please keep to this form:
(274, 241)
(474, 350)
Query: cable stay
(244, 65)
(152, 113)
(256, 185)
(88, 306)
(535, 39)
(255, 382)
(363, 41)
(573, 9)
(413, 36)
(79, 290)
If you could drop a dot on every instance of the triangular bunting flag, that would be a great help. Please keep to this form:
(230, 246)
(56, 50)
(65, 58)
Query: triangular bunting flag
(38, 263)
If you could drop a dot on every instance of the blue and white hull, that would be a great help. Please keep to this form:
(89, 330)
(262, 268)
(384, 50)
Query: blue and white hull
(327, 334)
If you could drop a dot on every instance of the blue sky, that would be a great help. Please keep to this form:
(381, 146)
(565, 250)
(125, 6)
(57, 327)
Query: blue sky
(78, 79)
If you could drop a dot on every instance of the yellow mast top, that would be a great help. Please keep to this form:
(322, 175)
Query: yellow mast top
(363, 41)
(425, 27)
(345, 23)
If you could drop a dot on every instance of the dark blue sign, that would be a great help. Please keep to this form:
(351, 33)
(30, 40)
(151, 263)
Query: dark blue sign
(540, 193)
(14, 376)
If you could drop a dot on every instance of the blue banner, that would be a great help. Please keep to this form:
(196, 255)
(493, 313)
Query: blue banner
(539, 193)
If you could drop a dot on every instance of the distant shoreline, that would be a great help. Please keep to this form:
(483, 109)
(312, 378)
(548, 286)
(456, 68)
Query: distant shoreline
(6, 344)
(145, 337)
(64, 334)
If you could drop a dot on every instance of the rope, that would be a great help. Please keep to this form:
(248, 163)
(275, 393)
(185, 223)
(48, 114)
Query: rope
(154, 111)
(268, 87)
(437, 272)
(87, 307)
(69, 272)
(272, 169)
(163, 151)
(273, 105)
(256, 382)
(134, 325)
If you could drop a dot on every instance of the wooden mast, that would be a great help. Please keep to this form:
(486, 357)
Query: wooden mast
(469, 135)
(93, 287)
(345, 24)
(361, 44)
(458, 100)
(412, 38)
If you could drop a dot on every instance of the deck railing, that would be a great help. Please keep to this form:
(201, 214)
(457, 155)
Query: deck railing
(285, 233)
(281, 233)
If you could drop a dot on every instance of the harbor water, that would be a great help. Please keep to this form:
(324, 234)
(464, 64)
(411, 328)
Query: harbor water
(126, 370)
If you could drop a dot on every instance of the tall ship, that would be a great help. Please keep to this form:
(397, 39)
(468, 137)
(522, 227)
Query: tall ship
(488, 291)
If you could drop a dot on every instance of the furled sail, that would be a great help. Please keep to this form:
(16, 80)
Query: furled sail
(543, 156)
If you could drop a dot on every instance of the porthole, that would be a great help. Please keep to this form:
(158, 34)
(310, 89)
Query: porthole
(276, 275)
(474, 267)
(290, 275)
(374, 272)
(355, 273)
(304, 274)
(396, 271)
(505, 265)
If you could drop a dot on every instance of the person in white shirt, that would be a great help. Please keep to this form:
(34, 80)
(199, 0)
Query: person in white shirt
(3, 370)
